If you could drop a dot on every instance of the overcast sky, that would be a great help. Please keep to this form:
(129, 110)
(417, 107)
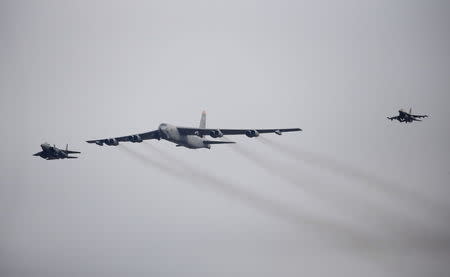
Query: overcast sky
(353, 194)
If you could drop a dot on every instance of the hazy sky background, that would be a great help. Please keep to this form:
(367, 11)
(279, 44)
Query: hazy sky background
(354, 194)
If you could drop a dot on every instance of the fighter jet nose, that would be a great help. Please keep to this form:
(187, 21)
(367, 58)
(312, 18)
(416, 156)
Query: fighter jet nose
(45, 145)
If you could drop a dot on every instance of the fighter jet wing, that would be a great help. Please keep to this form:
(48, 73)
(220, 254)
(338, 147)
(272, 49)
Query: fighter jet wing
(51, 158)
(132, 138)
(419, 116)
(250, 132)
(71, 152)
(393, 117)
(38, 153)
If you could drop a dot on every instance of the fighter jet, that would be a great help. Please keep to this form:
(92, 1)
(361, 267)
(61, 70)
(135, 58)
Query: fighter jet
(407, 117)
(192, 138)
(53, 153)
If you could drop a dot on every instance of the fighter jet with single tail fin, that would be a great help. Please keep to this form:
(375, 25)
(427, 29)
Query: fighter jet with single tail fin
(407, 117)
(53, 153)
(188, 137)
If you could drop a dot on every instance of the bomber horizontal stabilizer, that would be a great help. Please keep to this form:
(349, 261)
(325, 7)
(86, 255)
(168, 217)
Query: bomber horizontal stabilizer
(216, 142)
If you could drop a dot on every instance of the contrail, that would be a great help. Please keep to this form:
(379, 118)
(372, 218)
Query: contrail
(390, 189)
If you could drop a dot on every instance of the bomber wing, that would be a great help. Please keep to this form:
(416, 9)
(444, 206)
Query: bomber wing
(248, 132)
(132, 138)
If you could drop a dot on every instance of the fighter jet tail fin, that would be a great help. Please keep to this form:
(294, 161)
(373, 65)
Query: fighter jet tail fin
(69, 151)
(203, 121)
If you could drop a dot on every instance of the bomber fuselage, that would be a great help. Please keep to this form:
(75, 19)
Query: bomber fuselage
(171, 133)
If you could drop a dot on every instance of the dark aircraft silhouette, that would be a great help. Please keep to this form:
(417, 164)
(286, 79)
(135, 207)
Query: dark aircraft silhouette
(407, 117)
(188, 137)
(53, 153)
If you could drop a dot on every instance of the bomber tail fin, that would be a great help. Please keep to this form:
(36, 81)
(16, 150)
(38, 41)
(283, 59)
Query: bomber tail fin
(203, 121)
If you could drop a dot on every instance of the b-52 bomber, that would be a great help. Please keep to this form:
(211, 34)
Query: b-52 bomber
(407, 117)
(192, 138)
(53, 153)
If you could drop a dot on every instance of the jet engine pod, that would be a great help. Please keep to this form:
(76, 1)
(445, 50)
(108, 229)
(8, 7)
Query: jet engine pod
(99, 142)
(111, 141)
(251, 133)
(135, 138)
(216, 133)
(197, 133)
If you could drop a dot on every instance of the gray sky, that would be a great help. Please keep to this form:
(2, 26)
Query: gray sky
(354, 194)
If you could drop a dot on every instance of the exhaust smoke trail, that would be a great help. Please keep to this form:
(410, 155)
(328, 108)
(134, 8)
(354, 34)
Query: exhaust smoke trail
(270, 207)
(390, 189)
(372, 213)
(402, 230)
(147, 161)
(373, 248)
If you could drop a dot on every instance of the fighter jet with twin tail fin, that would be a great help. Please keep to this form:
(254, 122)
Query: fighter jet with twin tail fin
(407, 117)
(53, 153)
(188, 137)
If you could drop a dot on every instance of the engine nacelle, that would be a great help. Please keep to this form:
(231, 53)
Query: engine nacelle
(198, 134)
(216, 133)
(111, 142)
(135, 138)
(251, 133)
(99, 142)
